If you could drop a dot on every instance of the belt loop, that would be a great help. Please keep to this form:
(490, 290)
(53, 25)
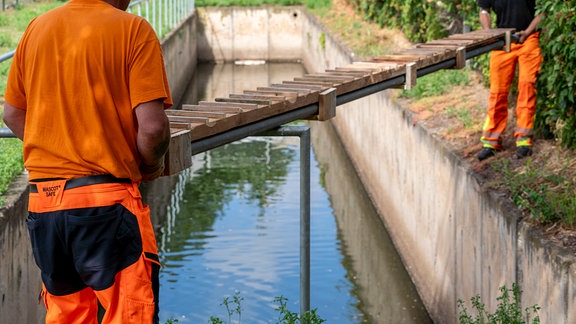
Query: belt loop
(135, 190)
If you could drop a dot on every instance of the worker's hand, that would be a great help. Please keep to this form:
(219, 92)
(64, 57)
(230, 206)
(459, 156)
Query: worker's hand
(522, 35)
(151, 172)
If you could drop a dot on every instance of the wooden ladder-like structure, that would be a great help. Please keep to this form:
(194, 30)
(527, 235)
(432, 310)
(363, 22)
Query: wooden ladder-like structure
(319, 92)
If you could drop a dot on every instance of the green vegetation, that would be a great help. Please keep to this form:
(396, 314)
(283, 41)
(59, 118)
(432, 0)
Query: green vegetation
(436, 84)
(463, 114)
(13, 22)
(11, 163)
(286, 316)
(556, 114)
(509, 310)
(548, 196)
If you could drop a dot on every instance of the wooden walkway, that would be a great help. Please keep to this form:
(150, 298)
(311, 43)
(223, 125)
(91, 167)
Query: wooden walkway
(319, 92)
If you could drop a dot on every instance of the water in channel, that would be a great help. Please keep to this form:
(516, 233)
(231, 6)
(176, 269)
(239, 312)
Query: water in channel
(230, 240)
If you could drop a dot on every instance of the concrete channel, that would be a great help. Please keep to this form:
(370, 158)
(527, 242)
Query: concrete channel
(456, 239)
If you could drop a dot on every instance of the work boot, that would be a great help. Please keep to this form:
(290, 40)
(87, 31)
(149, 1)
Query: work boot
(485, 153)
(523, 151)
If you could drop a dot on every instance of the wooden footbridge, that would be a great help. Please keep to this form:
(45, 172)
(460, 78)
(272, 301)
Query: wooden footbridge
(197, 128)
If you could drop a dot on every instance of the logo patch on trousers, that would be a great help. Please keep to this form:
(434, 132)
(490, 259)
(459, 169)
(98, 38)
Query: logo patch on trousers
(51, 191)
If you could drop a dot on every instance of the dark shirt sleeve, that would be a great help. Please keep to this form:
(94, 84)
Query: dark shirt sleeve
(485, 3)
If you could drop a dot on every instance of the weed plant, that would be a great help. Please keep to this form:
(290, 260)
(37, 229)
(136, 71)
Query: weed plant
(548, 197)
(508, 311)
(233, 306)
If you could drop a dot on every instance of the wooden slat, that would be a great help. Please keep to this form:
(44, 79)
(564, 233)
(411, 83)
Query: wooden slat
(260, 96)
(195, 113)
(282, 89)
(244, 106)
(179, 155)
(230, 110)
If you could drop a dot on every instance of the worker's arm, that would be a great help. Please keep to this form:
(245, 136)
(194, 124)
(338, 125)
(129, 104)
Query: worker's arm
(523, 34)
(15, 119)
(485, 18)
(153, 138)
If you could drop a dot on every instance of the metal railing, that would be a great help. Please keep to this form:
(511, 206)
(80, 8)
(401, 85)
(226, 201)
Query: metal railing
(163, 15)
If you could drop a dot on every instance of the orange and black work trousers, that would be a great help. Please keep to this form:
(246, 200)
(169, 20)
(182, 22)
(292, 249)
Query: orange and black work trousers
(94, 244)
(502, 72)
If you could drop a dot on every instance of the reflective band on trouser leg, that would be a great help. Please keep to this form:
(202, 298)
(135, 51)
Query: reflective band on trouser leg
(133, 296)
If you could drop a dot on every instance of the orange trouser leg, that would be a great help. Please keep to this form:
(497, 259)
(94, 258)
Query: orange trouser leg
(77, 308)
(502, 70)
(134, 296)
(529, 60)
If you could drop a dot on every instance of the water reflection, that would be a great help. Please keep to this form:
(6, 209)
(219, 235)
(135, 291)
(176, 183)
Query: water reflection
(237, 230)
(382, 284)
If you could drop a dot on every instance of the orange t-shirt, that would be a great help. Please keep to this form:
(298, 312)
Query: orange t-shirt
(79, 71)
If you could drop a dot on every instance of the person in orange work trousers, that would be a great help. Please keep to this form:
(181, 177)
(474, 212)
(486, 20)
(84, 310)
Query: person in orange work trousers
(521, 15)
(86, 93)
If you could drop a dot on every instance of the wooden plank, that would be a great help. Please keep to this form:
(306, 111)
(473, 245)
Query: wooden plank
(355, 73)
(310, 87)
(278, 89)
(327, 104)
(179, 155)
(230, 110)
(329, 76)
(261, 96)
(271, 91)
(374, 65)
(178, 126)
(311, 82)
(192, 120)
(244, 106)
(456, 42)
(195, 113)
(240, 100)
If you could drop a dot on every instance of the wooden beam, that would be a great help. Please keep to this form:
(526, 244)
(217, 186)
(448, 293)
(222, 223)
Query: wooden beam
(179, 155)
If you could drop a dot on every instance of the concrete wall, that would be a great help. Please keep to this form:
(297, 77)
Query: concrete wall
(19, 277)
(180, 56)
(258, 33)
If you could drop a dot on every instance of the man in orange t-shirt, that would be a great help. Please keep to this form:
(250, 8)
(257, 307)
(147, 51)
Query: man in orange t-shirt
(86, 93)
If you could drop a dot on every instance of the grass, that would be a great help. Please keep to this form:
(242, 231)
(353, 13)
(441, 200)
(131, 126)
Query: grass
(437, 84)
(11, 163)
(549, 196)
